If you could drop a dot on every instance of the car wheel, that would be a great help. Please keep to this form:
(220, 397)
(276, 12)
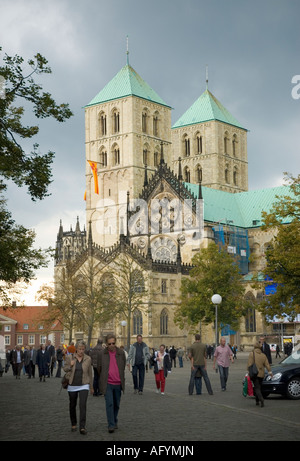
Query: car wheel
(293, 389)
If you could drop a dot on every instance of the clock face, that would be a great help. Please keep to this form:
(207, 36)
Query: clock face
(164, 249)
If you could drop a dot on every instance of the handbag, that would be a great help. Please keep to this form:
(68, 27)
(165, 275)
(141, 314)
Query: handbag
(65, 380)
(253, 371)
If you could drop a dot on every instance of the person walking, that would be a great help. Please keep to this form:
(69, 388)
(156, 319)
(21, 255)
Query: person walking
(59, 359)
(173, 353)
(111, 368)
(79, 365)
(17, 361)
(138, 357)
(180, 354)
(223, 355)
(162, 367)
(51, 349)
(43, 362)
(265, 348)
(95, 355)
(261, 362)
(277, 352)
(197, 355)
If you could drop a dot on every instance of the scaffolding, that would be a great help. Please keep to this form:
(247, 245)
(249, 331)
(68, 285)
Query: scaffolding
(236, 242)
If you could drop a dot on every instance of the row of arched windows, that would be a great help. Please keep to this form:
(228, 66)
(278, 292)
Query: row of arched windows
(192, 148)
(137, 323)
(150, 124)
(227, 175)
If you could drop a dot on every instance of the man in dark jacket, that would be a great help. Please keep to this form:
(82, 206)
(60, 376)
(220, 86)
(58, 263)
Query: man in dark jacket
(265, 348)
(112, 363)
(95, 356)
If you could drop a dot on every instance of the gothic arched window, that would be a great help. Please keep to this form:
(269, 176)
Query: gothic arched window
(137, 322)
(164, 320)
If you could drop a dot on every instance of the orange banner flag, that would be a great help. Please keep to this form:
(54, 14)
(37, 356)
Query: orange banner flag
(95, 174)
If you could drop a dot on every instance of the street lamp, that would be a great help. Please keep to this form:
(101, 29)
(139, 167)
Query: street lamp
(123, 324)
(216, 300)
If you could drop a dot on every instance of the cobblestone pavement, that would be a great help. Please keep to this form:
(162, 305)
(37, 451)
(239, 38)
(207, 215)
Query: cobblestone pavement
(35, 411)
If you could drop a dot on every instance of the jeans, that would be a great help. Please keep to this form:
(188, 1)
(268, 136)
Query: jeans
(204, 376)
(96, 382)
(73, 396)
(180, 362)
(112, 401)
(223, 375)
(138, 383)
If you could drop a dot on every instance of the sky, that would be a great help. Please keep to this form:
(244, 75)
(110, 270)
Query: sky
(251, 49)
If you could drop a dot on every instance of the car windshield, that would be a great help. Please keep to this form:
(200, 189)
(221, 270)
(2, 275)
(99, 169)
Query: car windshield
(294, 357)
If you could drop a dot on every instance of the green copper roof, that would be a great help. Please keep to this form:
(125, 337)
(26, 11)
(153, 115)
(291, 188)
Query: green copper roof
(127, 82)
(206, 108)
(242, 209)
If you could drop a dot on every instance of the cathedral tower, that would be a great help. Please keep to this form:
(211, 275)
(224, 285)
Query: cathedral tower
(126, 125)
(212, 145)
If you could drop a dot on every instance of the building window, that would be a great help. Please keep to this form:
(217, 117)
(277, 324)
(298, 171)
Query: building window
(164, 322)
(116, 122)
(19, 340)
(164, 286)
(7, 328)
(103, 125)
(250, 321)
(103, 159)
(226, 139)
(226, 176)
(199, 174)
(25, 326)
(155, 125)
(137, 323)
(235, 177)
(145, 157)
(117, 156)
(187, 175)
(199, 145)
(234, 145)
(144, 122)
(187, 150)
(155, 162)
(43, 339)
(31, 339)
(7, 340)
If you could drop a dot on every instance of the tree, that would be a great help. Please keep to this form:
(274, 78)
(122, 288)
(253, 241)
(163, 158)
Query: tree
(214, 271)
(19, 259)
(283, 254)
(129, 292)
(30, 169)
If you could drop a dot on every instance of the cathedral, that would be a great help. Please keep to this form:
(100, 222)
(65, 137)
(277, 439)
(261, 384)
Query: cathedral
(158, 193)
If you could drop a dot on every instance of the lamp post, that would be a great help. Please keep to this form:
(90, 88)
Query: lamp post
(216, 300)
(123, 324)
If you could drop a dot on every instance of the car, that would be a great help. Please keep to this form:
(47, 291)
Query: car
(286, 377)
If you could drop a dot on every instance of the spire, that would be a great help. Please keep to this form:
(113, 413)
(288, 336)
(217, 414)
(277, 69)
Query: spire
(207, 77)
(127, 52)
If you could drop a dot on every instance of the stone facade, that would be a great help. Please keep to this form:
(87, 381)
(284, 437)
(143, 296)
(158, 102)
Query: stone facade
(139, 156)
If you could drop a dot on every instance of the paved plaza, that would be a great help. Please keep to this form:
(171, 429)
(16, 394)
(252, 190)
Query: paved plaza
(35, 411)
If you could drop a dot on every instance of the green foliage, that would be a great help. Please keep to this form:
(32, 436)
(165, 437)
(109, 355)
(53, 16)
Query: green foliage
(30, 169)
(283, 254)
(214, 272)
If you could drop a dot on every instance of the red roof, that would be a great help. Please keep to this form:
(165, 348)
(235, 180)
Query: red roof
(30, 317)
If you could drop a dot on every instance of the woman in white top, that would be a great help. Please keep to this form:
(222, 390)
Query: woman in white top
(162, 366)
